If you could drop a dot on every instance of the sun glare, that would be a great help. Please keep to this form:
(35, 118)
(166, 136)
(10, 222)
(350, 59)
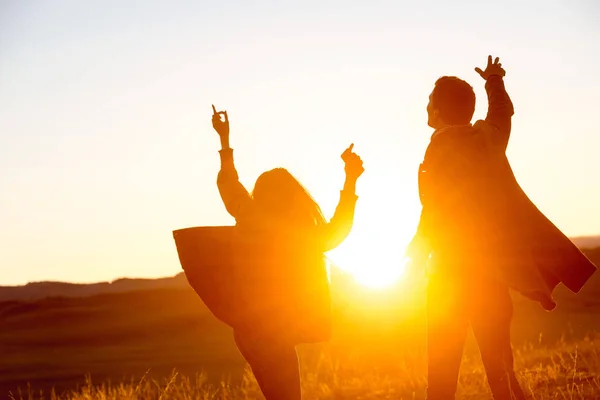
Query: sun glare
(381, 276)
(373, 253)
(371, 266)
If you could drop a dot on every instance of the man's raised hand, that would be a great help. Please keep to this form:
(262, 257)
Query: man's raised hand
(221, 126)
(354, 165)
(492, 69)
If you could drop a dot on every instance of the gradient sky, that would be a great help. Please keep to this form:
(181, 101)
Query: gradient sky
(106, 144)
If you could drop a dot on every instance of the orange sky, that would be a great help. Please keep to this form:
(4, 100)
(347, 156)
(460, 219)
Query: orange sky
(106, 144)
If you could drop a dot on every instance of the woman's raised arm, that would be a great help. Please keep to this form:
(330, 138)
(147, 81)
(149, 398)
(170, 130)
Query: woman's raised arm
(340, 225)
(235, 197)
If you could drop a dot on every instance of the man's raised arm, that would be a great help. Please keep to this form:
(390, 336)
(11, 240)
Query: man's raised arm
(500, 107)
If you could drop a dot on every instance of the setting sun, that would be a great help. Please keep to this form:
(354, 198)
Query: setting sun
(380, 275)
(375, 264)
(373, 253)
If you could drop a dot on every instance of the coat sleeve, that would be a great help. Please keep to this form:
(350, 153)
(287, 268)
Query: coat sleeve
(235, 197)
(500, 110)
(340, 225)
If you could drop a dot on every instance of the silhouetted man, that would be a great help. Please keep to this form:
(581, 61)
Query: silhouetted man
(479, 235)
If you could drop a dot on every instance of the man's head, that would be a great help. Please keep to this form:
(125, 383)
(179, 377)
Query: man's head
(452, 102)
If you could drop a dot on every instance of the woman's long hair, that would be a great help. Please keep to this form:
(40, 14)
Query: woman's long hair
(281, 198)
(293, 287)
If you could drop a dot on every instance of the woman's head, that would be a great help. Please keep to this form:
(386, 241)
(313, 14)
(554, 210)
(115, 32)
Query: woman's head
(278, 194)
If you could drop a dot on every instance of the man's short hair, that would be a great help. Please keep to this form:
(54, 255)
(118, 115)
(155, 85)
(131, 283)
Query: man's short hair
(454, 99)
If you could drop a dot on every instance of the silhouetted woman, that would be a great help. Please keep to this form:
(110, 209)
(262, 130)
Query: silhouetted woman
(289, 303)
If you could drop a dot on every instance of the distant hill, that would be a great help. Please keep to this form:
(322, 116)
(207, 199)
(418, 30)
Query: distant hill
(587, 242)
(41, 290)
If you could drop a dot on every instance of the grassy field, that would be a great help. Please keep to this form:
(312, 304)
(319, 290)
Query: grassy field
(163, 344)
(567, 370)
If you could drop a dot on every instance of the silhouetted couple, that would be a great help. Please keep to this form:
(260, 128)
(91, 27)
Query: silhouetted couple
(478, 236)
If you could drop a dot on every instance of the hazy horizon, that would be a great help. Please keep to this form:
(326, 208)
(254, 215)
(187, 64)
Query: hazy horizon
(106, 145)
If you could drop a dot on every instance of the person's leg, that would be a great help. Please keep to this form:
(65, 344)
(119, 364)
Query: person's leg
(447, 326)
(274, 364)
(250, 350)
(491, 316)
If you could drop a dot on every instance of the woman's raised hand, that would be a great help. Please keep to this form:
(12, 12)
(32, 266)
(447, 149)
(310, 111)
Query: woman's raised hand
(221, 126)
(354, 165)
